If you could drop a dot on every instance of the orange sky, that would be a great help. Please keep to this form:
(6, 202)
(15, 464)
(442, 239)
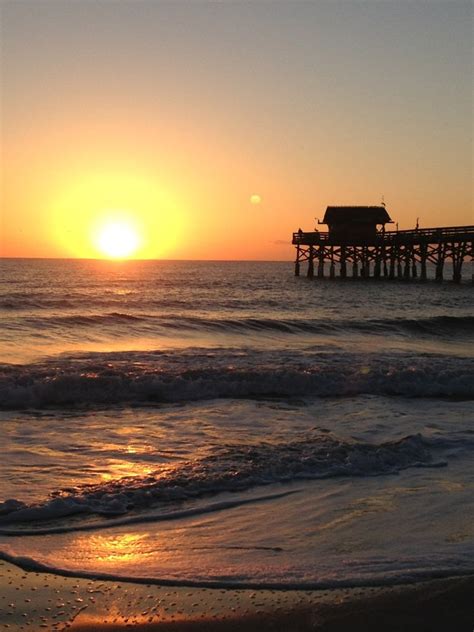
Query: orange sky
(170, 116)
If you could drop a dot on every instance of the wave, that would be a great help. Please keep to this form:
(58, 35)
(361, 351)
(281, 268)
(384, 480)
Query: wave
(232, 468)
(198, 374)
(445, 568)
(94, 319)
(434, 326)
(163, 516)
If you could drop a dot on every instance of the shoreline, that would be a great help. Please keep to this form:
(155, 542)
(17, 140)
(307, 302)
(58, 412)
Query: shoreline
(44, 600)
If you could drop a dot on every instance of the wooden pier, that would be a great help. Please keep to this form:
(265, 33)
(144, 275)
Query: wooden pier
(355, 247)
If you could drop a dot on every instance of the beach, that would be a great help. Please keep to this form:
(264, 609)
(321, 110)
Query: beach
(33, 601)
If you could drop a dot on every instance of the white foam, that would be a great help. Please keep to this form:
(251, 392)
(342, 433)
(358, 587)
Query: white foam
(198, 374)
(231, 469)
(132, 520)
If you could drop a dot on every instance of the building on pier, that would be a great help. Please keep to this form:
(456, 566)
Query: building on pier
(349, 223)
(358, 245)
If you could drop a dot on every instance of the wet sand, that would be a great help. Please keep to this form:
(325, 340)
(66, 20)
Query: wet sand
(43, 601)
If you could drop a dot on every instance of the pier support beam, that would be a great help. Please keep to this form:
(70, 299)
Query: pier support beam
(423, 260)
(321, 263)
(377, 266)
(457, 275)
(343, 269)
(423, 275)
(440, 262)
(383, 262)
(406, 272)
(458, 253)
(365, 265)
(311, 263)
(391, 274)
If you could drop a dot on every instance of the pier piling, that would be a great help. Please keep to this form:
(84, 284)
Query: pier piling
(392, 255)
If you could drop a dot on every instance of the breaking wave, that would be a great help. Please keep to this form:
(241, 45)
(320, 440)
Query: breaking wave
(200, 374)
(93, 388)
(232, 468)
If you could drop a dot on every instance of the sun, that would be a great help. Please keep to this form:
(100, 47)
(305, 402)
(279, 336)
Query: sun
(118, 239)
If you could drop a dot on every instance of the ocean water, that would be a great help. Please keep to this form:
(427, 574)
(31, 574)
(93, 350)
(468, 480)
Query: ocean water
(228, 424)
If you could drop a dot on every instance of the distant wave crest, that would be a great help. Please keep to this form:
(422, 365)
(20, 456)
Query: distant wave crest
(167, 322)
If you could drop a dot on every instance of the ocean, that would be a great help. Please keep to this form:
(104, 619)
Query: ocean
(227, 424)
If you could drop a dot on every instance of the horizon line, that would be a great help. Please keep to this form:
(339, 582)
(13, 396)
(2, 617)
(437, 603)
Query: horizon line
(118, 260)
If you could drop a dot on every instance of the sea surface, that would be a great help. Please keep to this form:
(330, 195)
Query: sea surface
(228, 424)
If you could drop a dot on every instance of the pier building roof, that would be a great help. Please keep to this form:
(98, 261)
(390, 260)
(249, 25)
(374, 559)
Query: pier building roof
(356, 215)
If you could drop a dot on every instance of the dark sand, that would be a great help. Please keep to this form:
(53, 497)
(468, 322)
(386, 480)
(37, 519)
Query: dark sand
(42, 601)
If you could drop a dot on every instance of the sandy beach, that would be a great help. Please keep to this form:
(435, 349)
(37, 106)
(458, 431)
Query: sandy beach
(41, 601)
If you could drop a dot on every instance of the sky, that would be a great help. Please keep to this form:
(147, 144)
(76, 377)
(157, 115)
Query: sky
(213, 130)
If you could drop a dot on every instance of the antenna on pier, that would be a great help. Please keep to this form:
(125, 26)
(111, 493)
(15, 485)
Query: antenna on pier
(382, 203)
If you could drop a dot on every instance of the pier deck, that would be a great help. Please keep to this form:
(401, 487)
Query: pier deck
(401, 254)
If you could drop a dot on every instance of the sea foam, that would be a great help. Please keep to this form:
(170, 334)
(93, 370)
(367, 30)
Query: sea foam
(229, 469)
(199, 374)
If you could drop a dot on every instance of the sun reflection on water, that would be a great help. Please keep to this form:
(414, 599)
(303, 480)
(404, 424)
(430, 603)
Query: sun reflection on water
(123, 469)
(125, 547)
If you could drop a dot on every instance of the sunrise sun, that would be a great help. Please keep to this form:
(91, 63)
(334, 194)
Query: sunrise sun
(118, 239)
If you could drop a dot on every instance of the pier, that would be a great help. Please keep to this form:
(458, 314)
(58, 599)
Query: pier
(358, 246)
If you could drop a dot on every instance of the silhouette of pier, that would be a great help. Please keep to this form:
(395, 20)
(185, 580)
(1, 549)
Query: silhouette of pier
(358, 246)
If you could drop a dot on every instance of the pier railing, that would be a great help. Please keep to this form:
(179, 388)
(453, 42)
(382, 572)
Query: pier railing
(416, 235)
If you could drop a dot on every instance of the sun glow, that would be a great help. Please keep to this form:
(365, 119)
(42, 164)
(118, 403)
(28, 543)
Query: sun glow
(116, 215)
(118, 239)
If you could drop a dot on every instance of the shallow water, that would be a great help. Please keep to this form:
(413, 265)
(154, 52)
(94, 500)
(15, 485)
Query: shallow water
(226, 423)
